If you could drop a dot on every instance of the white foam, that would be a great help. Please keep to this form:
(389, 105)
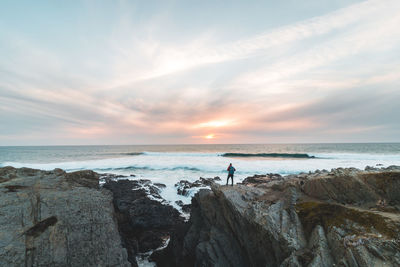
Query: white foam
(169, 168)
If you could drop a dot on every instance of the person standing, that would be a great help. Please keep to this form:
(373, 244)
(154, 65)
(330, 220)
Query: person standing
(231, 170)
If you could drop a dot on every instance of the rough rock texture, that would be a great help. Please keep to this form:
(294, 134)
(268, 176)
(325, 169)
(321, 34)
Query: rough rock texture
(337, 218)
(51, 218)
(258, 180)
(144, 223)
(184, 187)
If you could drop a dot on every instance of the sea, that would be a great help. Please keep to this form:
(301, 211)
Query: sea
(169, 164)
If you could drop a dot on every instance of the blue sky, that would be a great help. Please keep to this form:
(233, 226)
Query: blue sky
(151, 72)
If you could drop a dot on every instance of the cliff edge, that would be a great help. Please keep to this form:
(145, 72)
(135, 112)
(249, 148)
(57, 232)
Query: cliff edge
(345, 217)
(54, 218)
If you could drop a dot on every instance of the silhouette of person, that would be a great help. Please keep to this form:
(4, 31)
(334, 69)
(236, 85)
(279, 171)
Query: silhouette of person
(231, 170)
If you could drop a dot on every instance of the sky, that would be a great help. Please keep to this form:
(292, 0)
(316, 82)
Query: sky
(199, 72)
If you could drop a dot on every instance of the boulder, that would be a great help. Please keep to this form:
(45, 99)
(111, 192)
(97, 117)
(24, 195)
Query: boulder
(53, 218)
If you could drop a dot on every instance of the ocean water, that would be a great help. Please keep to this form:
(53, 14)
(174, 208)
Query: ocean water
(170, 163)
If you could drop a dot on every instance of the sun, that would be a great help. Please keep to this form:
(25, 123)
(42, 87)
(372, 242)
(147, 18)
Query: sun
(210, 136)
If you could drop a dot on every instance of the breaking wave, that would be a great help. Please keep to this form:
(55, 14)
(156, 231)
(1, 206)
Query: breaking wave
(136, 168)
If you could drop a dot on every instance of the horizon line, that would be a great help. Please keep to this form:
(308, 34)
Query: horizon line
(219, 144)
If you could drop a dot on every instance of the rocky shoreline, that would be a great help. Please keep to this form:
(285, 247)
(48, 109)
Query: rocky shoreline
(343, 217)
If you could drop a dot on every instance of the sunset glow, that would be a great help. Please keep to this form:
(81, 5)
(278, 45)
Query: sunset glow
(210, 136)
(214, 124)
(135, 72)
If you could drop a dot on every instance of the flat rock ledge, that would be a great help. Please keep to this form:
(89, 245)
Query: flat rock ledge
(54, 218)
(343, 217)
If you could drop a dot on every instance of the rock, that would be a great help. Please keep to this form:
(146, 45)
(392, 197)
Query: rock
(185, 207)
(301, 221)
(386, 184)
(53, 218)
(179, 203)
(185, 187)
(343, 186)
(159, 185)
(229, 230)
(261, 179)
(104, 177)
(144, 223)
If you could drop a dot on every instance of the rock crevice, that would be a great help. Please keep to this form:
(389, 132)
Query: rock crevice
(318, 219)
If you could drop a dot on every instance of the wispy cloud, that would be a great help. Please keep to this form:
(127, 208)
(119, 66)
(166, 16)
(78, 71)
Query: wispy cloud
(332, 77)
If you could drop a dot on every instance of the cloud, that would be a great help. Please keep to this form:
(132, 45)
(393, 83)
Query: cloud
(332, 77)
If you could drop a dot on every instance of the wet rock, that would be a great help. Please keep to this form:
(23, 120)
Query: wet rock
(179, 203)
(185, 187)
(104, 177)
(159, 185)
(53, 218)
(185, 207)
(299, 221)
(144, 223)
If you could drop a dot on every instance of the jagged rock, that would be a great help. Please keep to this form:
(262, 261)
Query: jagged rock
(104, 177)
(53, 218)
(184, 187)
(301, 221)
(230, 227)
(185, 207)
(261, 179)
(144, 223)
(159, 185)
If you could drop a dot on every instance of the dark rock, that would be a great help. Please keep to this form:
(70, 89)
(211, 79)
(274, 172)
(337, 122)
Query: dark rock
(299, 221)
(104, 177)
(144, 223)
(14, 188)
(179, 203)
(186, 208)
(184, 187)
(41, 226)
(159, 185)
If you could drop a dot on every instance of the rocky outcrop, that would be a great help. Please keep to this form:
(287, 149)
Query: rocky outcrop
(185, 188)
(145, 223)
(345, 217)
(257, 180)
(53, 218)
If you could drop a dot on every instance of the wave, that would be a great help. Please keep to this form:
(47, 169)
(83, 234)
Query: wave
(135, 168)
(269, 155)
(133, 153)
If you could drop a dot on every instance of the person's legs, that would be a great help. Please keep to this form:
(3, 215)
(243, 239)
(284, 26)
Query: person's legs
(227, 179)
